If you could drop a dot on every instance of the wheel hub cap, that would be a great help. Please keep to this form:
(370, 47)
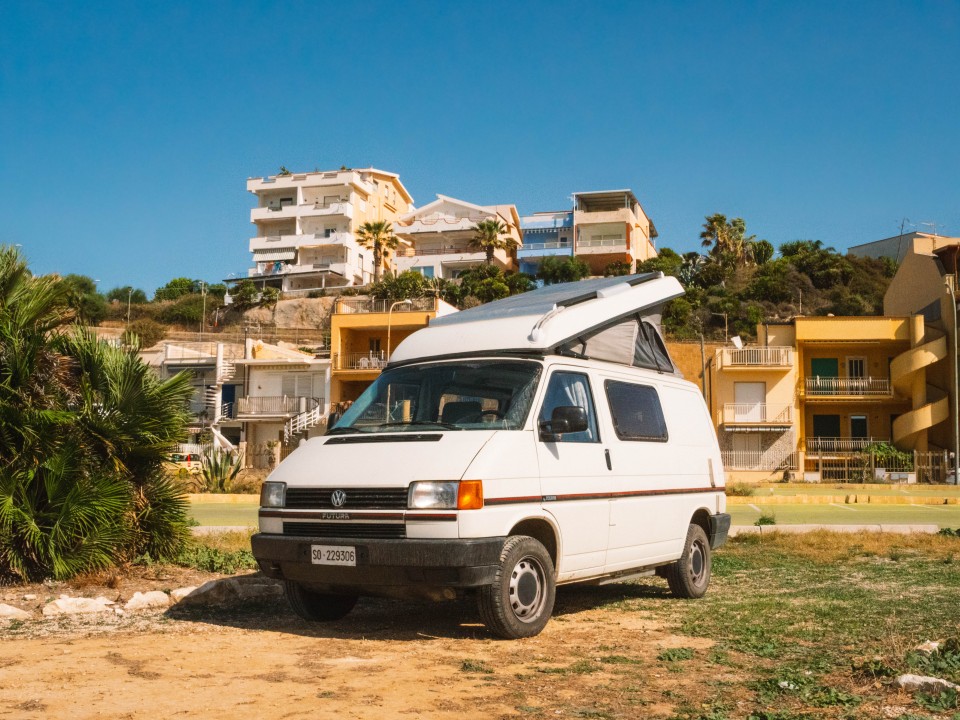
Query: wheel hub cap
(526, 589)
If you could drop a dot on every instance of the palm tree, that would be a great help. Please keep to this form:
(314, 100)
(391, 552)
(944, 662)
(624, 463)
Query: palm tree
(727, 240)
(492, 235)
(378, 236)
(84, 428)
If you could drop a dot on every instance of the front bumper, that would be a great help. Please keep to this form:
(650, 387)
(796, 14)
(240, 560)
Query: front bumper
(719, 527)
(382, 565)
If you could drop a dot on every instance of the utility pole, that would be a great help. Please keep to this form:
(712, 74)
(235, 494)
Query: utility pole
(129, 295)
(203, 313)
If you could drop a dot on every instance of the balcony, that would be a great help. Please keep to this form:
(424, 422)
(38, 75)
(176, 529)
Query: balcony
(756, 414)
(273, 406)
(836, 445)
(369, 305)
(339, 269)
(272, 242)
(861, 387)
(437, 224)
(306, 210)
(602, 244)
(756, 357)
(373, 360)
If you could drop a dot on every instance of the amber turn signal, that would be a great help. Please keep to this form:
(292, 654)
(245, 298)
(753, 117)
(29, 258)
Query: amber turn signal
(470, 495)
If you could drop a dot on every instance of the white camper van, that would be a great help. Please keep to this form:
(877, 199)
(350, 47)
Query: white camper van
(540, 440)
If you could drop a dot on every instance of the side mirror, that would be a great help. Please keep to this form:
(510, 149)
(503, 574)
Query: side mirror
(564, 419)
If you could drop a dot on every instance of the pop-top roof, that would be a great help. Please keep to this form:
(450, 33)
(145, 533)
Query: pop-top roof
(541, 321)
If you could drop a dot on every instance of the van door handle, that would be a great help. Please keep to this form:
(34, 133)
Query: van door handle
(607, 455)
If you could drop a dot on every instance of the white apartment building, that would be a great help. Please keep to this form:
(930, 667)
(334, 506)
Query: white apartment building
(437, 237)
(306, 226)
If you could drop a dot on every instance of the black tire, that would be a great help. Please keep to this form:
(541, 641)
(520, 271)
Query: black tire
(689, 577)
(519, 601)
(317, 607)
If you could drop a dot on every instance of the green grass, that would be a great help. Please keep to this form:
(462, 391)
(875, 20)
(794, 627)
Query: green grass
(231, 514)
(799, 514)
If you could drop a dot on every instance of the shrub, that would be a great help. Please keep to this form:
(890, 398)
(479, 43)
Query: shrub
(144, 333)
(766, 518)
(739, 489)
(219, 470)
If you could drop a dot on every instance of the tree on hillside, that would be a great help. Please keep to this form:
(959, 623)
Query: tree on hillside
(727, 240)
(84, 428)
(177, 288)
(121, 294)
(379, 237)
(88, 304)
(492, 235)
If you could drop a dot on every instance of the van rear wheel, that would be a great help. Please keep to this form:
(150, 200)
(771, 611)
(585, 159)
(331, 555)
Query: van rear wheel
(519, 601)
(317, 607)
(689, 577)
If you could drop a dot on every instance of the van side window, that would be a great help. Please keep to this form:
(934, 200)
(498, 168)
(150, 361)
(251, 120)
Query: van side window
(636, 411)
(566, 389)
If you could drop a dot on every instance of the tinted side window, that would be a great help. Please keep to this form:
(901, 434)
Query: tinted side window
(636, 411)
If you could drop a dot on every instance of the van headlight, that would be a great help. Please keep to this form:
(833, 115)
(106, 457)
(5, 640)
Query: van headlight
(273, 494)
(433, 495)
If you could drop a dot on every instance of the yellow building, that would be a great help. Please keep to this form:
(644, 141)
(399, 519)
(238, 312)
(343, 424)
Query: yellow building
(363, 333)
(817, 391)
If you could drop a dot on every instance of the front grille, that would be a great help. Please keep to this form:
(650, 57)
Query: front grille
(376, 531)
(357, 498)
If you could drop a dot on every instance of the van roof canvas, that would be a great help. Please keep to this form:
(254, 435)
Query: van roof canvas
(607, 319)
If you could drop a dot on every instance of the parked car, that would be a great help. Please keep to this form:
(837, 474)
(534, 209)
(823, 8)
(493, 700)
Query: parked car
(190, 462)
(536, 441)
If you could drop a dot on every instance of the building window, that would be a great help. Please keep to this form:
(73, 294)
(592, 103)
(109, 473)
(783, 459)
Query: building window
(426, 271)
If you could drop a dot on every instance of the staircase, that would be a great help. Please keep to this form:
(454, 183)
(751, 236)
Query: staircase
(302, 422)
(213, 396)
(908, 372)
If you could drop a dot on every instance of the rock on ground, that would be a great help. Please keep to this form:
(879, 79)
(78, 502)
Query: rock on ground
(218, 592)
(65, 605)
(180, 593)
(924, 682)
(147, 601)
(9, 612)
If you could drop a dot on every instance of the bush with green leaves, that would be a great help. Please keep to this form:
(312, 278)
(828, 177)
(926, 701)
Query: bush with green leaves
(219, 470)
(555, 270)
(84, 430)
(144, 333)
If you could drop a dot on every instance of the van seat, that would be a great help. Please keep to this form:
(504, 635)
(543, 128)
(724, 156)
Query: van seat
(456, 411)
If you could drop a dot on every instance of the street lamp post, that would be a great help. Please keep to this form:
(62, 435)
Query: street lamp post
(129, 295)
(203, 312)
(398, 302)
(955, 385)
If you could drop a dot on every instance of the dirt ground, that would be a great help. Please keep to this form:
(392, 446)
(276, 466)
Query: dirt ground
(387, 659)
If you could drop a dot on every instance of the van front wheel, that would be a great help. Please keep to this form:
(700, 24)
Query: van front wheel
(519, 601)
(690, 575)
(317, 607)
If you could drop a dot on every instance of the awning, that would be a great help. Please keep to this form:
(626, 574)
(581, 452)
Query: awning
(274, 254)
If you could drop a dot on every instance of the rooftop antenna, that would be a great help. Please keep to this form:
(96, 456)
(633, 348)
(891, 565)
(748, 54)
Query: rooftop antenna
(933, 226)
(903, 222)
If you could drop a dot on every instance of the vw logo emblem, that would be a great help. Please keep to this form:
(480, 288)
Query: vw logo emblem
(338, 498)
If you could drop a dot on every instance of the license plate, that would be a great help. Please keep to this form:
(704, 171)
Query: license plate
(333, 555)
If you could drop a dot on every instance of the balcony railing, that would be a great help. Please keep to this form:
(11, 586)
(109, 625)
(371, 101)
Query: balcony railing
(359, 361)
(275, 405)
(758, 460)
(747, 413)
(840, 445)
(369, 305)
(757, 356)
(444, 250)
(861, 386)
(555, 245)
(614, 242)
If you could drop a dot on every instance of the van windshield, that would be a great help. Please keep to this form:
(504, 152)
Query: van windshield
(466, 395)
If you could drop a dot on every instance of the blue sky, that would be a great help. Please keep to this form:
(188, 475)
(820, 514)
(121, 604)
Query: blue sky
(128, 129)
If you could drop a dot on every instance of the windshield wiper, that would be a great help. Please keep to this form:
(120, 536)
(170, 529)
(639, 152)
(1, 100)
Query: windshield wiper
(430, 423)
(344, 430)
